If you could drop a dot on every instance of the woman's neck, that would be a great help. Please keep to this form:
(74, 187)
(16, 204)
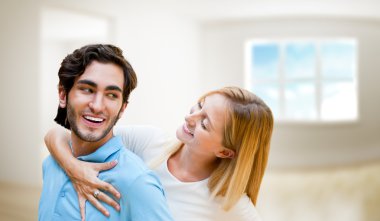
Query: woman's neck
(188, 166)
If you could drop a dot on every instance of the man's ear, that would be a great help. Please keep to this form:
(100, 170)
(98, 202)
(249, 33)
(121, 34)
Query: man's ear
(125, 104)
(226, 153)
(62, 97)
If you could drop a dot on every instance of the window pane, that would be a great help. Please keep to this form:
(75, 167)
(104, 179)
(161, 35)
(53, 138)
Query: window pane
(300, 101)
(306, 79)
(300, 59)
(339, 101)
(265, 61)
(269, 93)
(338, 59)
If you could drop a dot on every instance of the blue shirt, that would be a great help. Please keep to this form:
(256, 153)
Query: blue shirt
(142, 196)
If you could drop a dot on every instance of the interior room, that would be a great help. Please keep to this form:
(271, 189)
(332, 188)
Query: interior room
(324, 164)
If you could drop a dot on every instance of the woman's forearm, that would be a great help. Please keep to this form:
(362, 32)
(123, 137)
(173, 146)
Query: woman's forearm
(57, 142)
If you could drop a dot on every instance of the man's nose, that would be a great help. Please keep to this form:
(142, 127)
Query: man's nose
(97, 105)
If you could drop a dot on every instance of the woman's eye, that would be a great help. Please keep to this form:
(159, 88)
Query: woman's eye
(199, 105)
(203, 125)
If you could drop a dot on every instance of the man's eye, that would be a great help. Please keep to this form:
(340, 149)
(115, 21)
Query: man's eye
(113, 96)
(87, 90)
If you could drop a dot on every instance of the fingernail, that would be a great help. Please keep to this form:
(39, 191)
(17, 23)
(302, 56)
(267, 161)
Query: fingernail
(107, 213)
(118, 208)
(115, 162)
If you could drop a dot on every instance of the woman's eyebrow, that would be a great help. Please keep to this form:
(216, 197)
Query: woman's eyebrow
(207, 117)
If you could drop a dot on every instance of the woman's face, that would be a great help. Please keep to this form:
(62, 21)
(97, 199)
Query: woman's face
(203, 128)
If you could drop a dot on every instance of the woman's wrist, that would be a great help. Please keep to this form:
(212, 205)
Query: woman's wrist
(70, 165)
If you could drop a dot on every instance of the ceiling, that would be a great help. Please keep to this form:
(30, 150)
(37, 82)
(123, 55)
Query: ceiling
(233, 9)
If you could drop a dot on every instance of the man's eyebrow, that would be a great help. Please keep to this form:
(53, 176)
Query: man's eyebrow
(91, 83)
(113, 88)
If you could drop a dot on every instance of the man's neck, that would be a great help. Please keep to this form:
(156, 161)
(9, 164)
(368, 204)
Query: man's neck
(82, 148)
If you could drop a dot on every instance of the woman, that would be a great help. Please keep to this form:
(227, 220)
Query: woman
(213, 173)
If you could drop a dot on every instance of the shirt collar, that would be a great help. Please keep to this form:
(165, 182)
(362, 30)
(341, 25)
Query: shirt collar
(103, 152)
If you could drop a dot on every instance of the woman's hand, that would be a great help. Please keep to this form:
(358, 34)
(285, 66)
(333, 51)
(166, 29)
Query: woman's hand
(84, 176)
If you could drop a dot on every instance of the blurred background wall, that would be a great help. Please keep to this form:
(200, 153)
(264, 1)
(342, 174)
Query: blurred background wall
(179, 50)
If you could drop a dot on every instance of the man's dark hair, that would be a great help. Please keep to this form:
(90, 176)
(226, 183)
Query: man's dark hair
(75, 64)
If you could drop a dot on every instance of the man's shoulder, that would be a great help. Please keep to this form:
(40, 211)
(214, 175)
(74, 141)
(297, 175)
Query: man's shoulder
(132, 174)
(49, 163)
(130, 159)
(51, 171)
(130, 165)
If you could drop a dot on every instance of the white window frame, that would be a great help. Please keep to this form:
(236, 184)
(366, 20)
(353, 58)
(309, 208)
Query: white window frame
(318, 81)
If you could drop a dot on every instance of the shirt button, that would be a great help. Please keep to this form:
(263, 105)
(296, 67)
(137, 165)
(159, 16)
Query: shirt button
(63, 194)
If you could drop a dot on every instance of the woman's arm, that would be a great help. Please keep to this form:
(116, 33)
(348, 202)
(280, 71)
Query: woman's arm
(143, 140)
(57, 142)
(83, 175)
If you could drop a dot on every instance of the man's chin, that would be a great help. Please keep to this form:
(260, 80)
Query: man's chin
(91, 138)
(91, 135)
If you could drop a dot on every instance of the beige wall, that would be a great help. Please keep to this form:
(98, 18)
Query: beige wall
(19, 69)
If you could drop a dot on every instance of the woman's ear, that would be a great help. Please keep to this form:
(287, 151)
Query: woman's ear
(62, 97)
(226, 153)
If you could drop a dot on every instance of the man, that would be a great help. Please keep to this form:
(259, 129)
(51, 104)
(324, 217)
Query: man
(94, 85)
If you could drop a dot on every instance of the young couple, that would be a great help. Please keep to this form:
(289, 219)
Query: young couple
(212, 171)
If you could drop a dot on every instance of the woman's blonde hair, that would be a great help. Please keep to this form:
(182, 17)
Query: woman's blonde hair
(248, 132)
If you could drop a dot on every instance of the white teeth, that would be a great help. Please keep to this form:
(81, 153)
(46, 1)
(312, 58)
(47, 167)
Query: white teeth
(93, 119)
(187, 130)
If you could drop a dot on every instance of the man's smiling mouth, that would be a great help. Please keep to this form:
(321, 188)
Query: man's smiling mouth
(93, 119)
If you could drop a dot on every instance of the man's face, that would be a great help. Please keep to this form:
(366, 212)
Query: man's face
(95, 102)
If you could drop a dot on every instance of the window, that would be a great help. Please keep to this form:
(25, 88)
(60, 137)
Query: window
(305, 80)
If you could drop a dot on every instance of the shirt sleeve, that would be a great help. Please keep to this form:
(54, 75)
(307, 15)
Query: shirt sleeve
(141, 139)
(145, 200)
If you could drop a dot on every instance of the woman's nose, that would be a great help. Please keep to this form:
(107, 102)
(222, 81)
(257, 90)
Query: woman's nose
(189, 120)
(192, 118)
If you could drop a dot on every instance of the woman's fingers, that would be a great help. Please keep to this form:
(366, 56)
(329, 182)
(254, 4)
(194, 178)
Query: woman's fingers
(95, 202)
(82, 207)
(94, 196)
(109, 188)
(105, 166)
(107, 199)
(104, 185)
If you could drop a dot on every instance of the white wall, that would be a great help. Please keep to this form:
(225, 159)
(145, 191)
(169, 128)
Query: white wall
(164, 50)
(300, 145)
(177, 57)
(178, 54)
